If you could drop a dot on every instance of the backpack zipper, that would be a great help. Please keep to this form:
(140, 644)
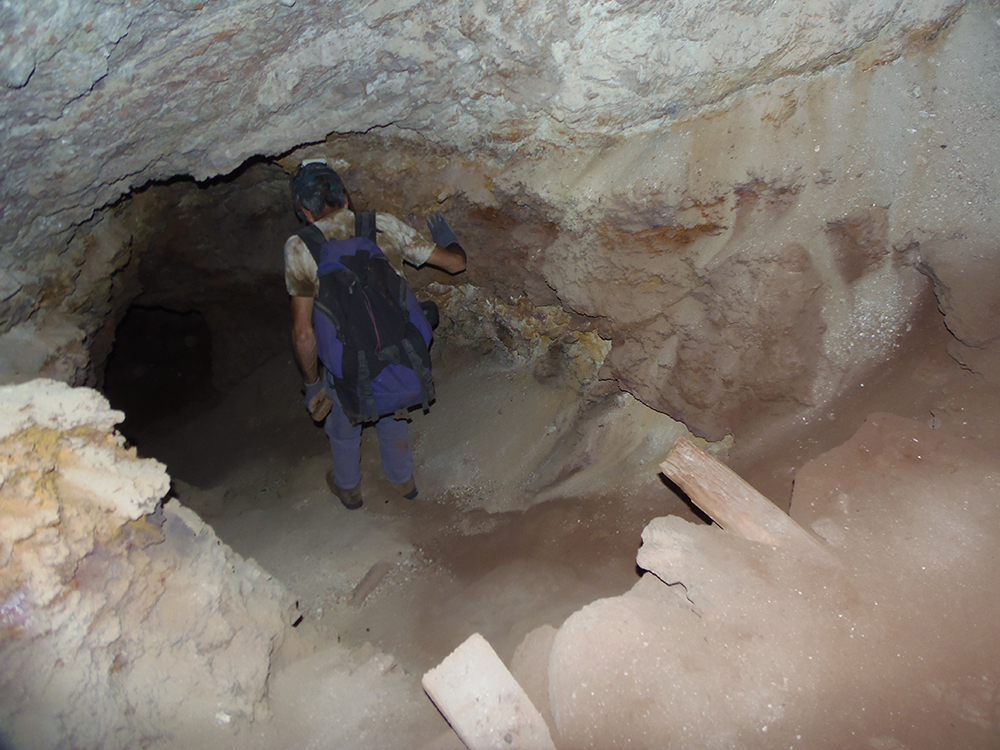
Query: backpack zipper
(371, 315)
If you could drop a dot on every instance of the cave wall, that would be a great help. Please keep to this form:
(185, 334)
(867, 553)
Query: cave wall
(217, 251)
(750, 201)
(754, 257)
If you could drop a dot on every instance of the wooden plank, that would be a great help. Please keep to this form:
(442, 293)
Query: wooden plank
(732, 503)
(370, 582)
(483, 702)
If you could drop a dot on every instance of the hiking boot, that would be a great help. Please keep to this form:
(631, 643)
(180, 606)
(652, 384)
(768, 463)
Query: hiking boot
(350, 498)
(407, 489)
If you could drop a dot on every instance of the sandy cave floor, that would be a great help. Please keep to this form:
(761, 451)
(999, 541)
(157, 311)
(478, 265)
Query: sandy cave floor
(524, 517)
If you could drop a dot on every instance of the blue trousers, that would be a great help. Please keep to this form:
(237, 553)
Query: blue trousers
(345, 444)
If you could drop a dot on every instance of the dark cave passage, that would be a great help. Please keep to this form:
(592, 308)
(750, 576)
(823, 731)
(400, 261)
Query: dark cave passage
(161, 364)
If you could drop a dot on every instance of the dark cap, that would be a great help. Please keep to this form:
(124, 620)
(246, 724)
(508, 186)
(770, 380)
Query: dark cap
(309, 172)
(314, 186)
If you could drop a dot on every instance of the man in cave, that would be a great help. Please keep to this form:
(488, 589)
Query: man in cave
(320, 198)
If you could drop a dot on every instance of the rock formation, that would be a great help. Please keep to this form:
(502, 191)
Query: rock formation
(740, 198)
(729, 642)
(121, 620)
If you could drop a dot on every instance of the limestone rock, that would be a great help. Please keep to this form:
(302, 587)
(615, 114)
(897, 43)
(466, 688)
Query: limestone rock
(120, 620)
(110, 99)
(966, 281)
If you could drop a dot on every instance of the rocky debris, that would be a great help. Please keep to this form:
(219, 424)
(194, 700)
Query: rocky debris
(543, 337)
(123, 621)
(728, 642)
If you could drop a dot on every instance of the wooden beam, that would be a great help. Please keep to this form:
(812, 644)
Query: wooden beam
(732, 503)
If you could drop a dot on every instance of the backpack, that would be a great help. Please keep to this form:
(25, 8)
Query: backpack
(371, 334)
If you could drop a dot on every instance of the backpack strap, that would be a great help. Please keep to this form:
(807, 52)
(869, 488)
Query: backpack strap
(364, 225)
(365, 391)
(332, 314)
(426, 384)
(314, 238)
(312, 235)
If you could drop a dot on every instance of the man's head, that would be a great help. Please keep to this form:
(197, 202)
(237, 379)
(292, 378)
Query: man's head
(316, 188)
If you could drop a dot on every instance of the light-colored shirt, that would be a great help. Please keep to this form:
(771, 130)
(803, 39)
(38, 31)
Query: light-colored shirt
(397, 240)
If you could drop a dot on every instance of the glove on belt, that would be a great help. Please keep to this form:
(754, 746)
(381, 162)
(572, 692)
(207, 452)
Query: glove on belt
(317, 402)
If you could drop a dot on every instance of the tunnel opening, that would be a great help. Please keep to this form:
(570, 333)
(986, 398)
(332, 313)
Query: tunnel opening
(159, 366)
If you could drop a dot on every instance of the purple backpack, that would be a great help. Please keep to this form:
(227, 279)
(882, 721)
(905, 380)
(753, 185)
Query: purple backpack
(371, 334)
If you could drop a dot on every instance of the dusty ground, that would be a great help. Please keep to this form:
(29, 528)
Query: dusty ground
(532, 505)
(477, 551)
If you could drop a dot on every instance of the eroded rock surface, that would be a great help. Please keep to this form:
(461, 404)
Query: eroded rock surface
(121, 622)
(738, 196)
(109, 98)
